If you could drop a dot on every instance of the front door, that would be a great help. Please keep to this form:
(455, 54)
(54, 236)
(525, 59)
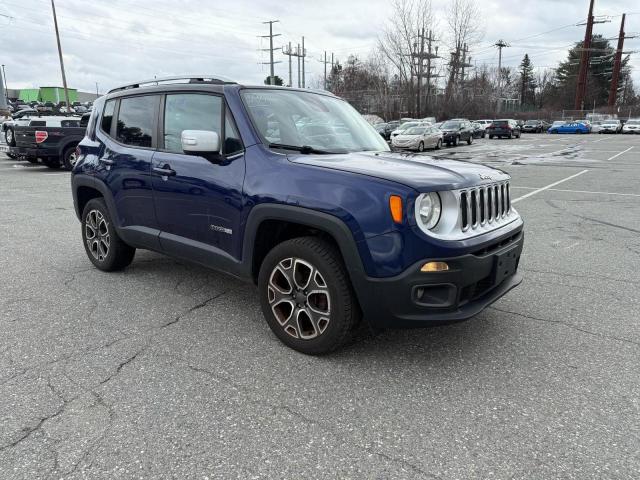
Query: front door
(198, 200)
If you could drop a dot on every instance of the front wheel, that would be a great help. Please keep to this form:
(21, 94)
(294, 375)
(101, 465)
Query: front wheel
(439, 144)
(306, 295)
(470, 140)
(104, 247)
(455, 141)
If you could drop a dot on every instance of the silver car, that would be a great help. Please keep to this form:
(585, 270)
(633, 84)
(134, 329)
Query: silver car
(418, 138)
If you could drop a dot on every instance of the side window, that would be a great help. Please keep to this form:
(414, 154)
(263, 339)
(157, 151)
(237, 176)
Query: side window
(107, 116)
(69, 123)
(232, 142)
(38, 123)
(135, 120)
(190, 111)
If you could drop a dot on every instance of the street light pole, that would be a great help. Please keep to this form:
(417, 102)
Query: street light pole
(4, 80)
(64, 77)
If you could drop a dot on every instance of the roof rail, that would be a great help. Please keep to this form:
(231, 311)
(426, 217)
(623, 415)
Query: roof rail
(215, 79)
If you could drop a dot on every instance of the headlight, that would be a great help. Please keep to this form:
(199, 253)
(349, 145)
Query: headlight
(428, 209)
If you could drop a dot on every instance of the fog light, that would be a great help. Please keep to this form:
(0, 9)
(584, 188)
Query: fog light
(435, 267)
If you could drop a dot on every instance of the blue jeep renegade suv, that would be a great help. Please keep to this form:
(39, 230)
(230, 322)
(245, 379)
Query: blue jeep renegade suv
(293, 190)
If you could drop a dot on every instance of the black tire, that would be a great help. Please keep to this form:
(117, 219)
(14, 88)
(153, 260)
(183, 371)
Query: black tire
(342, 307)
(9, 137)
(455, 141)
(13, 156)
(421, 147)
(69, 157)
(118, 254)
(490, 137)
(448, 144)
(439, 144)
(470, 140)
(32, 159)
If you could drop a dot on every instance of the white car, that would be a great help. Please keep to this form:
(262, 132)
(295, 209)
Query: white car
(596, 127)
(406, 126)
(485, 123)
(611, 126)
(418, 138)
(632, 126)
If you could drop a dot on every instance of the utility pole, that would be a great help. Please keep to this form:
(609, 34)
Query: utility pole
(581, 87)
(304, 54)
(298, 55)
(270, 49)
(97, 94)
(501, 44)
(420, 65)
(617, 65)
(4, 80)
(290, 53)
(421, 56)
(64, 77)
(325, 62)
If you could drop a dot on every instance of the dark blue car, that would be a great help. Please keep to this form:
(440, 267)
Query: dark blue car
(295, 191)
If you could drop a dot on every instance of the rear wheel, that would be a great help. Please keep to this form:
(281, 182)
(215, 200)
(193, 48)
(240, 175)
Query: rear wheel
(470, 140)
(421, 147)
(104, 247)
(306, 296)
(9, 137)
(439, 144)
(455, 141)
(69, 157)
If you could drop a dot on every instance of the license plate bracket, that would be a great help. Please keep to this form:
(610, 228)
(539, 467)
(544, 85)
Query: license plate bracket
(505, 264)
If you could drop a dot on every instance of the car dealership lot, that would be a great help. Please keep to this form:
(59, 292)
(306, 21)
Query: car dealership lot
(168, 369)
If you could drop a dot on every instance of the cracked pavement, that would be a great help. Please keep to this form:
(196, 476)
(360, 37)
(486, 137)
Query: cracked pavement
(168, 370)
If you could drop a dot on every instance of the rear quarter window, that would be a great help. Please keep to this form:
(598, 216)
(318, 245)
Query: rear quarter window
(70, 123)
(38, 123)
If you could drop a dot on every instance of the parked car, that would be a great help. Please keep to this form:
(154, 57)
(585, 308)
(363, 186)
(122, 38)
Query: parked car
(485, 123)
(22, 117)
(535, 126)
(508, 128)
(312, 219)
(611, 126)
(406, 126)
(51, 139)
(568, 127)
(478, 130)
(456, 131)
(418, 138)
(381, 129)
(596, 126)
(631, 126)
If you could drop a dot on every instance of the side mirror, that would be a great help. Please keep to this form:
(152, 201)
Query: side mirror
(200, 141)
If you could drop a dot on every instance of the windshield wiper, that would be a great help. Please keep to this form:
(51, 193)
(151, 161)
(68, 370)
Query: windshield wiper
(306, 149)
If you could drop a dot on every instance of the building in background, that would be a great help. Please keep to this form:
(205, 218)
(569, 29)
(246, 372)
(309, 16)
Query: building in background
(49, 94)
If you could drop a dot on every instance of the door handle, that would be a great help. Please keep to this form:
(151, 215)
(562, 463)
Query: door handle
(106, 161)
(165, 171)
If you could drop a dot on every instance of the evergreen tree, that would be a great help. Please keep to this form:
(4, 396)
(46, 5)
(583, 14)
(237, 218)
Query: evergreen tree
(276, 80)
(527, 82)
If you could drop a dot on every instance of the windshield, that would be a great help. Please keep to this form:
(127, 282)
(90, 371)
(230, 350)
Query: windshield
(633, 122)
(531, 122)
(407, 126)
(500, 122)
(306, 119)
(415, 131)
(450, 125)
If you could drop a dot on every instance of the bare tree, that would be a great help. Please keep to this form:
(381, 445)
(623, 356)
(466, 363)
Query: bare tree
(464, 29)
(400, 43)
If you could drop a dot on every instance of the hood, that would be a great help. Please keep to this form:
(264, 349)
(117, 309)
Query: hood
(421, 172)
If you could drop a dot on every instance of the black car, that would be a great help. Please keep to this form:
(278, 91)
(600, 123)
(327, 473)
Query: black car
(390, 127)
(508, 128)
(455, 131)
(478, 130)
(535, 126)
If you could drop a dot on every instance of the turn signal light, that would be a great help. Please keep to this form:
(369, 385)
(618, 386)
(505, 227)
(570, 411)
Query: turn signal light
(395, 205)
(435, 267)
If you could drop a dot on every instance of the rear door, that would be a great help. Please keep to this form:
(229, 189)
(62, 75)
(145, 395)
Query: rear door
(128, 132)
(198, 203)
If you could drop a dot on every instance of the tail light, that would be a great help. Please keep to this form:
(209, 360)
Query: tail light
(41, 136)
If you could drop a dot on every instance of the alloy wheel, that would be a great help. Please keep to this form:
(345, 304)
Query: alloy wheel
(9, 137)
(97, 235)
(299, 298)
(73, 158)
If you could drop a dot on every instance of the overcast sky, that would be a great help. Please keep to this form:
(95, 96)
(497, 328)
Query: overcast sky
(118, 41)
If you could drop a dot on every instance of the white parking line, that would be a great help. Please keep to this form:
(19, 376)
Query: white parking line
(580, 191)
(618, 154)
(551, 185)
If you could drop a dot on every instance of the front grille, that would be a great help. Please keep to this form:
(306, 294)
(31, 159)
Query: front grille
(484, 205)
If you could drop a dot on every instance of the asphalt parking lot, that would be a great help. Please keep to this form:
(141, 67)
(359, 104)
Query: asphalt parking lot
(168, 370)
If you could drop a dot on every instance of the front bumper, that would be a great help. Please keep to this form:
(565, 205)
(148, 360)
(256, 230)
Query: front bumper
(418, 299)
